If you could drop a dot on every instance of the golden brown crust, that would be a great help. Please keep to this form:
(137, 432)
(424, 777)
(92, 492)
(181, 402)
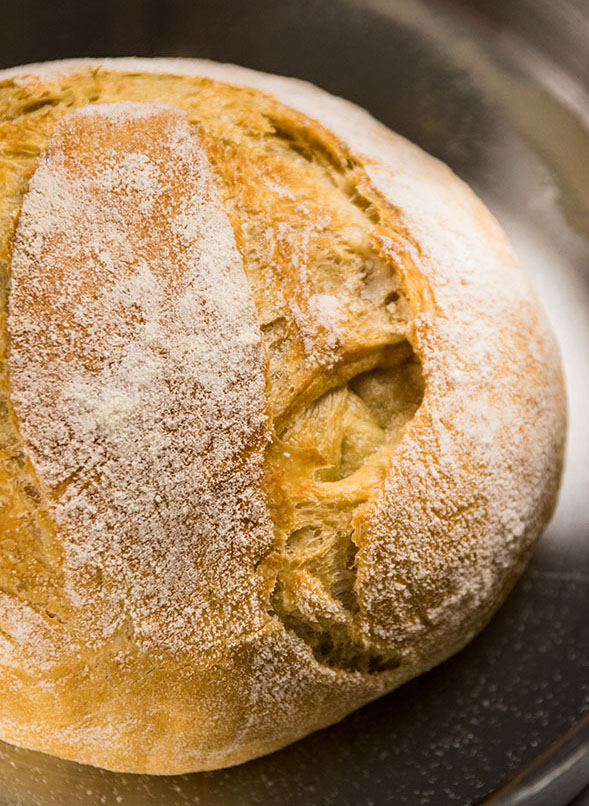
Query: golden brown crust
(389, 484)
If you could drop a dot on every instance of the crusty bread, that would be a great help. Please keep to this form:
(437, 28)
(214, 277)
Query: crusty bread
(281, 418)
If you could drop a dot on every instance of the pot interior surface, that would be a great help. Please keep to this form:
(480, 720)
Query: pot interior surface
(485, 88)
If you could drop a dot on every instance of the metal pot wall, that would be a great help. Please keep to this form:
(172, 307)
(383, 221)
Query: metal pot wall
(499, 90)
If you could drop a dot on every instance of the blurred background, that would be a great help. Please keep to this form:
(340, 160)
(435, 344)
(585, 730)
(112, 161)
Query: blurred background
(500, 91)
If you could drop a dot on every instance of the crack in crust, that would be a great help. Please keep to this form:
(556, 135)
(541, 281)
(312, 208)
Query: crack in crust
(357, 388)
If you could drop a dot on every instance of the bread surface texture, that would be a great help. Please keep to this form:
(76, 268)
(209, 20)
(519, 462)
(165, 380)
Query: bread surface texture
(281, 419)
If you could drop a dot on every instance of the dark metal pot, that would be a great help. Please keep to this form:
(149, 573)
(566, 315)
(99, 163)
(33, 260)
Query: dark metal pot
(499, 90)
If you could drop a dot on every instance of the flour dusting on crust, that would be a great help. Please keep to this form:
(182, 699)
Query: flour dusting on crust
(138, 378)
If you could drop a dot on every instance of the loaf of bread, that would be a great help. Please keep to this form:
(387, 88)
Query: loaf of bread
(281, 419)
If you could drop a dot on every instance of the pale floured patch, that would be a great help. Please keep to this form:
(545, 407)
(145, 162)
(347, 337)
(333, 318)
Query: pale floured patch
(138, 379)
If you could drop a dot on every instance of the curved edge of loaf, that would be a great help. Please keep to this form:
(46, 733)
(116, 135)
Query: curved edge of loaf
(478, 432)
